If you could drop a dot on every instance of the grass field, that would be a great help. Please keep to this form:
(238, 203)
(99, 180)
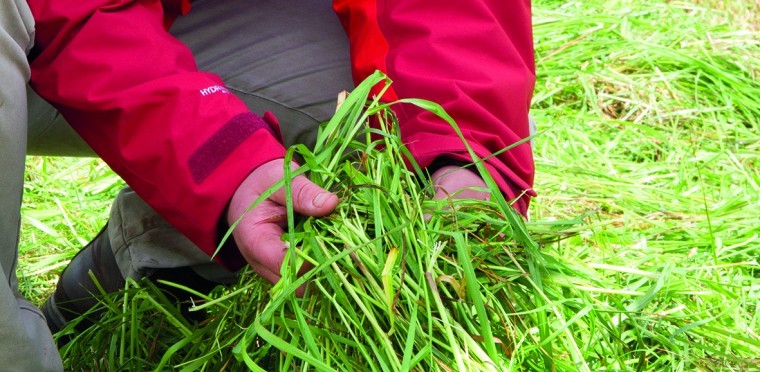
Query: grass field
(649, 117)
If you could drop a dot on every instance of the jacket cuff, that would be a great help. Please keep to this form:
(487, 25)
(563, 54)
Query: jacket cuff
(232, 154)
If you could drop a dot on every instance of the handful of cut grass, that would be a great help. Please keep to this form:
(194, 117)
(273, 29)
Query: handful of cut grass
(390, 288)
(399, 281)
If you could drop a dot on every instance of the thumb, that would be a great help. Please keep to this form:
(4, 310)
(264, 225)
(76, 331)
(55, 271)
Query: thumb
(308, 198)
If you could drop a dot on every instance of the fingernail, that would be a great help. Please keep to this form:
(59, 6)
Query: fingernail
(320, 199)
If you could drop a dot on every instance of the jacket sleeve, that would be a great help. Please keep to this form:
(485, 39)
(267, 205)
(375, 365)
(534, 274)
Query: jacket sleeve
(133, 92)
(474, 57)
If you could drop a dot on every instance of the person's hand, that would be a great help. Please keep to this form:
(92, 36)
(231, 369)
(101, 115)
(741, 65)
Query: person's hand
(455, 182)
(259, 233)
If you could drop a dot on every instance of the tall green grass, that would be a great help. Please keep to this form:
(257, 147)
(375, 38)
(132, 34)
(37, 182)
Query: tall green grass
(649, 122)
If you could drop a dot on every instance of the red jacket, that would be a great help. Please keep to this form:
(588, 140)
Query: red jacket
(184, 144)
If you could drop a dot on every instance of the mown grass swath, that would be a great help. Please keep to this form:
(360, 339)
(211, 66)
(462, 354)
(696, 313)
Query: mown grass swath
(655, 125)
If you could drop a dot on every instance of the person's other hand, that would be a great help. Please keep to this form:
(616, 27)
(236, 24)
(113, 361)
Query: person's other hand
(455, 182)
(259, 233)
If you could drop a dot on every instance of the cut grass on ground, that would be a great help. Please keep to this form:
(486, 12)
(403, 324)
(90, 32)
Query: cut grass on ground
(650, 118)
